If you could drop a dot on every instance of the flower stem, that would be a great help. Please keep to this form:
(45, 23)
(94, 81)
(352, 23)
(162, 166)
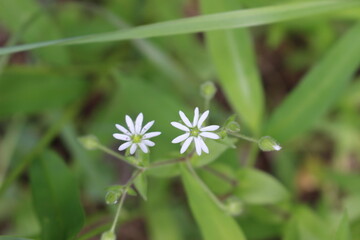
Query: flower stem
(204, 186)
(118, 156)
(250, 139)
(233, 182)
(123, 196)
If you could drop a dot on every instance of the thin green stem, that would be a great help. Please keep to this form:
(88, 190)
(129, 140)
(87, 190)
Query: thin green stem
(250, 139)
(123, 196)
(221, 175)
(165, 163)
(118, 156)
(204, 186)
(254, 150)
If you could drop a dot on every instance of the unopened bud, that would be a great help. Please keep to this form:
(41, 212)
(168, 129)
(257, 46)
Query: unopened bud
(113, 194)
(89, 142)
(268, 144)
(208, 90)
(109, 235)
(234, 206)
(233, 126)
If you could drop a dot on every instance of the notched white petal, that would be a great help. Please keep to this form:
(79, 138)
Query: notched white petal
(151, 135)
(133, 148)
(121, 136)
(186, 145)
(196, 117)
(209, 135)
(185, 119)
(180, 126)
(138, 123)
(148, 143)
(130, 124)
(147, 127)
(203, 118)
(122, 129)
(124, 146)
(197, 146)
(210, 128)
(181, 138)
(143, 147)
(203, 145)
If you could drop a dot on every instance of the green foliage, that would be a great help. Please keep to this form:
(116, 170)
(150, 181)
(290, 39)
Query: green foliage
(56, 198)
(256, 187)
(214, 223)
(319, 89)
(343, 232)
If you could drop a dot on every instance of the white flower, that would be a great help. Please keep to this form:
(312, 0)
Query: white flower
(136, 136)
(195, 132)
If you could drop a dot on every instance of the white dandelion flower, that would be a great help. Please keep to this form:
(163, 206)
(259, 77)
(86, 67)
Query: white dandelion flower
(194, 131)
(137, 136)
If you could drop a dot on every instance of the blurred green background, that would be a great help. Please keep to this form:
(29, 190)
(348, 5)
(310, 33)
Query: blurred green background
(295, 80)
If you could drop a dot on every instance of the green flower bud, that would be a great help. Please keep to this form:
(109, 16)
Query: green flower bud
(234, 206)
(222, 134)
(208, 90)
(109, 235)
(233, 126)
(89, 142)
(268, 144)
(113, 194)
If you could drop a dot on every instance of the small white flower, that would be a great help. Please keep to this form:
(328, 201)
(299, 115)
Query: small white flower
(195, 132)
(136, 136)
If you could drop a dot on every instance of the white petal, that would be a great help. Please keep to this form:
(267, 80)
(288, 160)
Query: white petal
(185, 119)
(209, 128)
(148, 143)
(133, 148)
(209, 135)
(197, 146)
(122, 129)
(196, 116)
(143, 147)
(147, 127)
(151, 134)
(181, 138)
(203, 118)
(186, 144)
(277, 147)
(121, 137)
(138, 123)
(180, 126)
(203, 145)
(130, 124)
(124, 146)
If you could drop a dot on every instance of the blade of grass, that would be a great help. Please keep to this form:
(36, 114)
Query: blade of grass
(226, 20)
(318, 90)
(234, 59)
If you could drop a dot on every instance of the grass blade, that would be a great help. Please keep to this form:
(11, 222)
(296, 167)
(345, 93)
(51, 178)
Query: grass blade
(318, 90)
(225, 20)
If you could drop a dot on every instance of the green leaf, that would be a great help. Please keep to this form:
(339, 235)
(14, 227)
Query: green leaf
(141, 185)
(343, 232)
(56, 198)
(318, 90)
(13, 238)
(214, 223)
(232, 53)
(28, 90)
(256, 187)
(226, 20)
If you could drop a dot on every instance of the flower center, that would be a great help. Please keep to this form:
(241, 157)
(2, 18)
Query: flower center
(194, 132)
(136, 138)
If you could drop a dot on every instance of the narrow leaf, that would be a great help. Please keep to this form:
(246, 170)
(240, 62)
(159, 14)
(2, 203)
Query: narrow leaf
(56, 198)
(318, 90)
(141, 185)
(233, 56)
(226, 20)
(256, 187)
(214, 223)
(343, 232)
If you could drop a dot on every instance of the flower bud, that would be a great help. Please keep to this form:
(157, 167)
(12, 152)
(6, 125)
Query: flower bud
(233, 126)
(113, 194)
(208, 90)
(268, 144)
(89, 142)
(234, 206)
(109, 235)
